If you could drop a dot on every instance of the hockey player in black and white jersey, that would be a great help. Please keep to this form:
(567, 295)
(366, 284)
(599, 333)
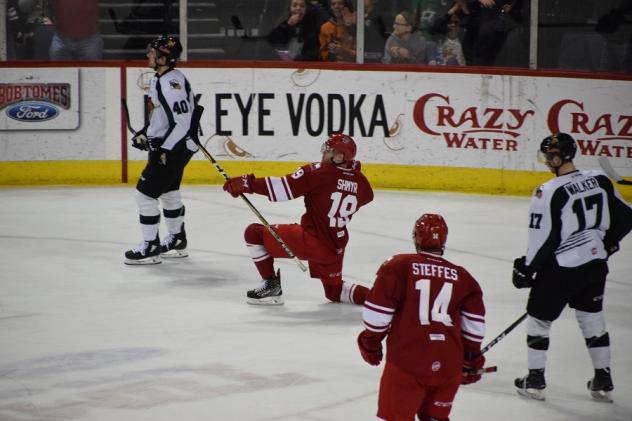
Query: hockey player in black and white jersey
(576, 222)
(170, 148)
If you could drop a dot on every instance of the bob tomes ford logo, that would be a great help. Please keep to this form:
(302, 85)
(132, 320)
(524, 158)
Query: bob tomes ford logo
(32, 111)
(34, 102)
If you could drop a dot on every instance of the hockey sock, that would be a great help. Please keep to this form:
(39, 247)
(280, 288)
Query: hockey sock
(593, 328)
(149, 215)
(353, 293)
(173, 219)
(259, 254)
(173, 211)
(537, 342)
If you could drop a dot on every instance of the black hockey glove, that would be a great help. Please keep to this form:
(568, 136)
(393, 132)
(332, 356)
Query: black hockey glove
(140, 141)
(611, 248)
(157, 155)
(522, 276)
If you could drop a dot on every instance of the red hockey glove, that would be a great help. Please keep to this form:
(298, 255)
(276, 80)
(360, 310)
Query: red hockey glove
(238, 185)
(471, 364)
(370, 344)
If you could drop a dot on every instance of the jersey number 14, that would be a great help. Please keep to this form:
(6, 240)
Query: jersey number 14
(439, 310)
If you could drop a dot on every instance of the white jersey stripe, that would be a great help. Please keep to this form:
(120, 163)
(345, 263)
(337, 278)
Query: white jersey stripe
(271, 196)
(288, 190)
(277, 190)
(477, 339)
(376, 320)
(473, 327)
(373, 306)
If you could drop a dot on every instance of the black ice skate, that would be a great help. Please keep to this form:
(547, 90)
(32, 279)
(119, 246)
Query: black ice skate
(146, 253)
(601, 385)
(532, 385)
(174, 245)
(269, 293)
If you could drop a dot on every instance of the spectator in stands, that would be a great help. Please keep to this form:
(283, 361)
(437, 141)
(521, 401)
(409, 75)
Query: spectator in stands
(17, 31)
(428, 12)
(322, 7)
(337, 41)
(377, 18)
(407, 45)
(487, 27)
(449, 48)
(77, 35)
(299, 33)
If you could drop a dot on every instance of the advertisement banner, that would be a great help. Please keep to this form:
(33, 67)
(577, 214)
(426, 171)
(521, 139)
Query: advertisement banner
(408, 118)
(39, 99)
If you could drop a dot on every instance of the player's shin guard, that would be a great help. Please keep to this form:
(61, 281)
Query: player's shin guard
(259, 254)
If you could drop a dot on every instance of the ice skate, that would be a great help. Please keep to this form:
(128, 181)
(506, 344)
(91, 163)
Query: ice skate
(269, 293)
(146, 253)
(601, 386)
(174, 245)
(532, 385)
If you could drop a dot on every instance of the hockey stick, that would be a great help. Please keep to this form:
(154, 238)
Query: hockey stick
(484, 370)
(503, 333)
(197, 113)
(605, 165)
(126, 111)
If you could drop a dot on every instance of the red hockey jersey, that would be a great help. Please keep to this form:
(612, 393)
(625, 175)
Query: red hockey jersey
(332, 195)
(431, 310)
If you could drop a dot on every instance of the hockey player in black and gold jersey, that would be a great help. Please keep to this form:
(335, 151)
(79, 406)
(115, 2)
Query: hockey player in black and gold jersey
(170, 146)
(576, 221)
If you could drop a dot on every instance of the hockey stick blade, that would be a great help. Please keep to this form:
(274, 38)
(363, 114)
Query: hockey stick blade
(605, 165)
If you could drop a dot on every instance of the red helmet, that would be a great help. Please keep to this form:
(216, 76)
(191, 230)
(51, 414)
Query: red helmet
(430, 233)
(341, 143)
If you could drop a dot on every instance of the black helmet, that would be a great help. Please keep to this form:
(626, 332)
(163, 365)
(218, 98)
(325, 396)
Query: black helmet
(562, 142)
(167, 46)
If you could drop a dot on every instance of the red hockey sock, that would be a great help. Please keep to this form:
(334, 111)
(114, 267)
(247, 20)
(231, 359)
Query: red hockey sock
(262, 260)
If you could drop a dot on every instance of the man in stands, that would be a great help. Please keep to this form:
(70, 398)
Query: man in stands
(431, 311)
(333, 190)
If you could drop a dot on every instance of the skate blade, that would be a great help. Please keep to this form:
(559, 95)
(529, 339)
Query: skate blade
(267, 301)
(174, 254)
(536, 394)
(601, 396)
(146, 261)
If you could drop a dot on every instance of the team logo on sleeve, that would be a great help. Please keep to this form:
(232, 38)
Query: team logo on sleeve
(175, 84)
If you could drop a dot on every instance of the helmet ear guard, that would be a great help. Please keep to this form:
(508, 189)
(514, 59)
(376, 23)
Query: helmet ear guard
(430, 233)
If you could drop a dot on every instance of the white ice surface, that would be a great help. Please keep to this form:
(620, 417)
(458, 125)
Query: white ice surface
(84, 337)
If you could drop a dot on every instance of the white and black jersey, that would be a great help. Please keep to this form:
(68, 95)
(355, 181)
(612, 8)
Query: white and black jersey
(571, 215)
(173, 104)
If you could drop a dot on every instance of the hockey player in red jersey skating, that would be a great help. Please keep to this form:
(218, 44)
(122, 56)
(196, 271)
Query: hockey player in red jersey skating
(432, 315)
(333, 190)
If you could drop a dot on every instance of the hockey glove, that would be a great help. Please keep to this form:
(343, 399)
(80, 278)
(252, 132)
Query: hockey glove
(155, 143)
(239, 185)
(140, 141)
(370, 344)
(472, 363)
(611, 248)
(522, 276)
